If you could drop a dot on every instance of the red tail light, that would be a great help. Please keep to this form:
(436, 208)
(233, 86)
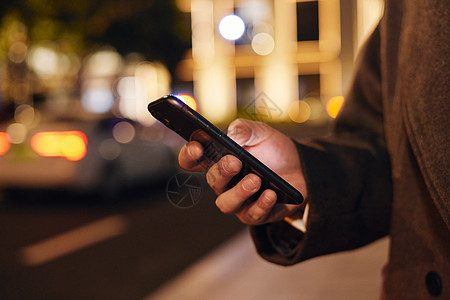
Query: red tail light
(69, 144)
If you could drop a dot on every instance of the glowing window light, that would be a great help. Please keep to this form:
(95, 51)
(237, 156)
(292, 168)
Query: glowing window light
(263, 43)
(299, 111)
(334, 105)
(68, 144)
(231, 27)
(189, 100)
(4, 143)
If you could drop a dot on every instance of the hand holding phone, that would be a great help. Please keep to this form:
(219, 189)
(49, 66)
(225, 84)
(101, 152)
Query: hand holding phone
(190, 125)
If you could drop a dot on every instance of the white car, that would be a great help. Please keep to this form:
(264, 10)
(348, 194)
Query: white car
(101, 157)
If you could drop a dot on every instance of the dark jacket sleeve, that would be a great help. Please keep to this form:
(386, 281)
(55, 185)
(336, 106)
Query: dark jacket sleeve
(348, 176)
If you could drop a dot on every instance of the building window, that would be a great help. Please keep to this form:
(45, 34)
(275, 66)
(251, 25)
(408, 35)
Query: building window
(307, 21)
(245, 91)
(186, 23)
(309, 86)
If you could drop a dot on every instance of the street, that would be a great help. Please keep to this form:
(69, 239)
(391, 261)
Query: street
(55, 245)
(56, 248)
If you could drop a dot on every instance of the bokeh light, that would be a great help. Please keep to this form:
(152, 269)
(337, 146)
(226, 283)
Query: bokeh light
(183, 5)
(97, 100)
(299, 111)
(334, 105)
(4, 143)
(123, 132)
(109, 149)
(17, 133)
(126, 90)
(24, 114)
(231, 27)
(69, 144)
(43, 60)
(18, 52)
(103, 63)
(73, 147)
(144, 81)
(189, 100)
(263, 43)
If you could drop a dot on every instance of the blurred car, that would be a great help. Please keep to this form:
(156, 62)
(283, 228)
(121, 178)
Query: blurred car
(101, 157)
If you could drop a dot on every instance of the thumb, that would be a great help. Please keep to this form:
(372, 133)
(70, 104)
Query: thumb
(248, 133)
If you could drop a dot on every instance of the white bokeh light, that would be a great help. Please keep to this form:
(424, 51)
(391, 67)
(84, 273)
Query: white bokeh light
(97, 100)
(43, 60)
(263, 44)
(231, 27)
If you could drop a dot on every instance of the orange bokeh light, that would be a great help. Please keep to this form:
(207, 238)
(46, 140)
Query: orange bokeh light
(69, 144)
(4, 143)
(189, 100)
(299, 111)
(334, 106)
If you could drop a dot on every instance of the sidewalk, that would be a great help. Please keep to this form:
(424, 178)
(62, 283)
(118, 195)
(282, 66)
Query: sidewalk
(235, 271)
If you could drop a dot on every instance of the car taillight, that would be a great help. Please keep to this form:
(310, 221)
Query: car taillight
(4, 143)
(69, 144)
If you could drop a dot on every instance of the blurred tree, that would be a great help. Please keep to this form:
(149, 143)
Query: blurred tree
(154, 28)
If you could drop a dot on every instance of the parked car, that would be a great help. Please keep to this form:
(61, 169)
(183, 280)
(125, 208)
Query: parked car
(97, 157)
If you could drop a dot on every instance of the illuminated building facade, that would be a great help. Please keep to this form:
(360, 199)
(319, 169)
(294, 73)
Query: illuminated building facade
(294, 54)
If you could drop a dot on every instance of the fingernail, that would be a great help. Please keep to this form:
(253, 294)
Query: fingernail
(249, 185)
(229, 166)
(191, 152)
(268, 199)
(238, 134)
(226, 164)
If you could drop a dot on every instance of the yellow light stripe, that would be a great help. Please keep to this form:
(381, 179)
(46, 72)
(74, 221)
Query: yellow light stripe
(71, 241)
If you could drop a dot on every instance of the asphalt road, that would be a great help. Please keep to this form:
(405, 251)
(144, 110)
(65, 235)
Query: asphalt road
(59, 247)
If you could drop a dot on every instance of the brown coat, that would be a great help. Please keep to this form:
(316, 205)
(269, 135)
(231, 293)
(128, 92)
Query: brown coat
(386, 167)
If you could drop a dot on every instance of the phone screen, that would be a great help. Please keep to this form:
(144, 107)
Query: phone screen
(191, 126)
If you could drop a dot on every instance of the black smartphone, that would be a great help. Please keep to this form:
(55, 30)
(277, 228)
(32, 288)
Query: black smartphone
(190, 125)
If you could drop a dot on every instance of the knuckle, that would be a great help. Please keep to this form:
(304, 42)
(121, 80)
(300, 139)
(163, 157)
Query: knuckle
(211, 179)
(255, 218)
(251, 218)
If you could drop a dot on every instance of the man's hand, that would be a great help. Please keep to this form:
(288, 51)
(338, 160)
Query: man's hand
(270, 146)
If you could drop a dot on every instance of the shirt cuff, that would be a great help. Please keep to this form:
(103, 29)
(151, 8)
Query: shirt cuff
(299, 223)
